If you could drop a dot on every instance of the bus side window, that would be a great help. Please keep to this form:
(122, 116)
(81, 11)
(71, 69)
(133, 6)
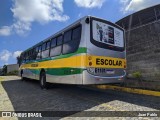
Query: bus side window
(39, 52)
(72, 45)
(29, 55)
(32, 54)
(35, 53)
(45, 49)
(43, 46)
(67, 36)
(56, 49)
(24, 57)
(53, 42)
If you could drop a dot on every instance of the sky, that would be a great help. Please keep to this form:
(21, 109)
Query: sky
(23, 23)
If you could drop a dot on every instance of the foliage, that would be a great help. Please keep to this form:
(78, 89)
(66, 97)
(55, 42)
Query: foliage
(4, 70)
(15, 72)
(137, 75)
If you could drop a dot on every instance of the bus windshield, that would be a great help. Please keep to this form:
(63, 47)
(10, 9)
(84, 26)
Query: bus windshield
(107, 36)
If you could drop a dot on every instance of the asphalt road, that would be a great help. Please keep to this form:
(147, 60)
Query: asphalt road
(20, 95)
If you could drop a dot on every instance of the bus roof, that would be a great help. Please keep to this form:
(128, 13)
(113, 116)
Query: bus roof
(61, 31)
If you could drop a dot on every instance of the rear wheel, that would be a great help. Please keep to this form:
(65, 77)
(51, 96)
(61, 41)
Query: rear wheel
(22, 78)
(43, 83)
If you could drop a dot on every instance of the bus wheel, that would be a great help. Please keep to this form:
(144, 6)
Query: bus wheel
(22, 78)
(43, 82)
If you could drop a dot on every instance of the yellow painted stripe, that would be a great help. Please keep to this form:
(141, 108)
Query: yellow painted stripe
(105, 62)
(130, 90)
(74, 61)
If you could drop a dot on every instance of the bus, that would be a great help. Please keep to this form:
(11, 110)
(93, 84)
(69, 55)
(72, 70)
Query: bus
(89, 51)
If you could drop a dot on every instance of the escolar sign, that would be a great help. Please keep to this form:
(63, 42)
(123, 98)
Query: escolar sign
(108, 62)
(103, 62)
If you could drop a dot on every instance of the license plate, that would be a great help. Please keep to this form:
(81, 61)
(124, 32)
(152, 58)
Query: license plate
(110, 71)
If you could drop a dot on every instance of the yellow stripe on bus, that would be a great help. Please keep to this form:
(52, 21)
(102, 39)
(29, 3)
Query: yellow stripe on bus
(79, 62)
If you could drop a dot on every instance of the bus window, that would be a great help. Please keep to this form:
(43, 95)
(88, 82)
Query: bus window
(48, 45)
(58, 48)
(40, 48)
(73, 45)
(76, 35)
(45, 52)
(53, 43)
(67, 36)
(32, 54)
(43, 46)
(59, 40)
(39, 52)
(37, 49)
(106, 35)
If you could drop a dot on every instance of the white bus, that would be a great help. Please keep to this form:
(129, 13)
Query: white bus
(89, 51)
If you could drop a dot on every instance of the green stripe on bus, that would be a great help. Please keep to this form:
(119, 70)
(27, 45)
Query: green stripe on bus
(80, 50)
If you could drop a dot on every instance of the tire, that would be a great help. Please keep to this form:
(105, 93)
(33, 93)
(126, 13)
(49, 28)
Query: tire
(43, 83)
(22, 78)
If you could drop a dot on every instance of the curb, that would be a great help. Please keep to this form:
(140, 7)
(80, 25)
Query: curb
(129, 90)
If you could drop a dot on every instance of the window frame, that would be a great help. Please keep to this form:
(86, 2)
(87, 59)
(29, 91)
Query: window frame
(53, 39)
(43, 47)
(61, 35)
(64, 36)
(73, 28)
(49, 41)
(56, 37)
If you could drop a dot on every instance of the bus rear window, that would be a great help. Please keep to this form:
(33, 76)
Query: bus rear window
(105, 35)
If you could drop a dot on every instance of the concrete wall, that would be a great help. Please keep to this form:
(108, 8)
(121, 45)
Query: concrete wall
(12, 67)
(143, 42)
(143, 50)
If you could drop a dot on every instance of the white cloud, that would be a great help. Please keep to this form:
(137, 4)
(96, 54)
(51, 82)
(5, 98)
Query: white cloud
(89, 3)
(136, 5)
(25, 12)
(5, 55)
(16, 54)
(5, 31)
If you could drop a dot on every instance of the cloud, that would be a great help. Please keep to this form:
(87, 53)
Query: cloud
(16, 54)
(5, 31)
(136, 5)
(25, 12)
(5, 55)
(89, 3)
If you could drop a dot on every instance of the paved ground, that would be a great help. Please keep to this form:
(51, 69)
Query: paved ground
(27, 95)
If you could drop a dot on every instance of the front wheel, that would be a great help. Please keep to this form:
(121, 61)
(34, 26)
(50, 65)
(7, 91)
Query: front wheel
(43, 83)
